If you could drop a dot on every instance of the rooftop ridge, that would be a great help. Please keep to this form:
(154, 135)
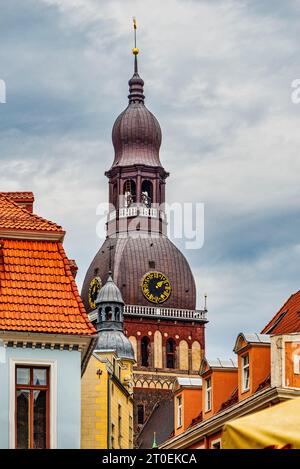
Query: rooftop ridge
(22, 219)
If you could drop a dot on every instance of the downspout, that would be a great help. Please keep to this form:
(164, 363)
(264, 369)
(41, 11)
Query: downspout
(108, 411)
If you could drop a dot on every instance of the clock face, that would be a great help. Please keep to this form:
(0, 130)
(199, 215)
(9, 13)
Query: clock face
(94, 288)
(156, 287)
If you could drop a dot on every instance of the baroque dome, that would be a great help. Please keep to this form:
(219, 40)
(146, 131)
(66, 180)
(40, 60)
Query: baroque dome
(136, 133)
(131, 259)
(116, 341)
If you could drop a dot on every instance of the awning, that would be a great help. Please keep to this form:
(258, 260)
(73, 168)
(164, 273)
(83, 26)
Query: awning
(277, 426)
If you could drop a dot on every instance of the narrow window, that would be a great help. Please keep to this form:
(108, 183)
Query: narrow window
(130, 432)
(32, 407)
(120, 425)
(112, 436)
(179, 411)
(140, 414)
(129, 192)
(246, 372)
(145, 350)
(208, 394)
(170, 349)
(146, 196)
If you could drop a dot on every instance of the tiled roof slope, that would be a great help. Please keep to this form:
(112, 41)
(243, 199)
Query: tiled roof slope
(37, 289)
(287, 320)
(24, 196)
(14, 217)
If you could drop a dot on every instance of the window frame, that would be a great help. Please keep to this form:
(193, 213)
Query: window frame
(145, 351)
(112, 436)
(171, 355)
(208, 394)
(31, 388)
(179, 405)
(120, 424)
(52, 364)
(245, 369)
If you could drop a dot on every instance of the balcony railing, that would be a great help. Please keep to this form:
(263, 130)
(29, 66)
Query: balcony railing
(157, 312)
(134, 211)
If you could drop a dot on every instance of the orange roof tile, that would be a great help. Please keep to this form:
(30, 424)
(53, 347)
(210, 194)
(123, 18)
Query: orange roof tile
(37, 289)
(14, 217)
(287, 320)
(24, 196)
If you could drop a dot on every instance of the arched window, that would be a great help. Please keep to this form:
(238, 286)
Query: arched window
(108, 313)
(117, 314)
(129, 192)
(170, 351)
(145, 351)
(147, 193)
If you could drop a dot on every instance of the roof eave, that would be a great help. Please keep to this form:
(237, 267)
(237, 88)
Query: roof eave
(36, 235)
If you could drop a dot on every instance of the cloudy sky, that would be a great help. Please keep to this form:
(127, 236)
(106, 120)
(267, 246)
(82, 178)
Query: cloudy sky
(218, 77)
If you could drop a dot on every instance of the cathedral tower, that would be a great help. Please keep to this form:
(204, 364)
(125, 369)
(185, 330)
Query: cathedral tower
(155, 280)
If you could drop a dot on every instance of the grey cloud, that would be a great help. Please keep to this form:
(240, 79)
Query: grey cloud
(217, 75)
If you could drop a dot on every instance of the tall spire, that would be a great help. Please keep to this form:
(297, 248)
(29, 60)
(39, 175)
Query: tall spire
(135, 50)
(136, 84)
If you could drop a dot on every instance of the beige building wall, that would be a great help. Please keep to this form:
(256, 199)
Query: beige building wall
(183, 355)
(133, 341)
(196, 356)
(158, 350)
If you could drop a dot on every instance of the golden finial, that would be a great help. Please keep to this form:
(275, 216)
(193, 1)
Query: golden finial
(135, 50)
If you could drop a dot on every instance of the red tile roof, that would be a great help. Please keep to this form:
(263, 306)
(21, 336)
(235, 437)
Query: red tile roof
(14, 217)
(196, 420)
(233, 399)
(23, 196)
(38, 292)
(287, 320)
(37, 289)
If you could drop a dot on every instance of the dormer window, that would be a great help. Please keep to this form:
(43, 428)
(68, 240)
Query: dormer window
(208, 390)
(245, 373)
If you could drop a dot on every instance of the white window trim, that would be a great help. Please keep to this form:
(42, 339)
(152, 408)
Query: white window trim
(213, 442)
(179, 412)
(286, 339)
(296, 364)
(208, 408)
(244, 367)
(52, 364)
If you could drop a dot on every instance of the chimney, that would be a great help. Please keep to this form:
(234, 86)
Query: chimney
(73, 267)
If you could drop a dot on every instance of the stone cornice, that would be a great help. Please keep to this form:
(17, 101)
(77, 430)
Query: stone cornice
(33, 235)
(17, 339)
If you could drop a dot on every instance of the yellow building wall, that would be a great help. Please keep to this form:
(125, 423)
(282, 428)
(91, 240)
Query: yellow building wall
(96, 415)
(94, 406)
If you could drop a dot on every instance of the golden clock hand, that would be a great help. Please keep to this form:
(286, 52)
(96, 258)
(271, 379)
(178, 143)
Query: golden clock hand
(159, 284)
